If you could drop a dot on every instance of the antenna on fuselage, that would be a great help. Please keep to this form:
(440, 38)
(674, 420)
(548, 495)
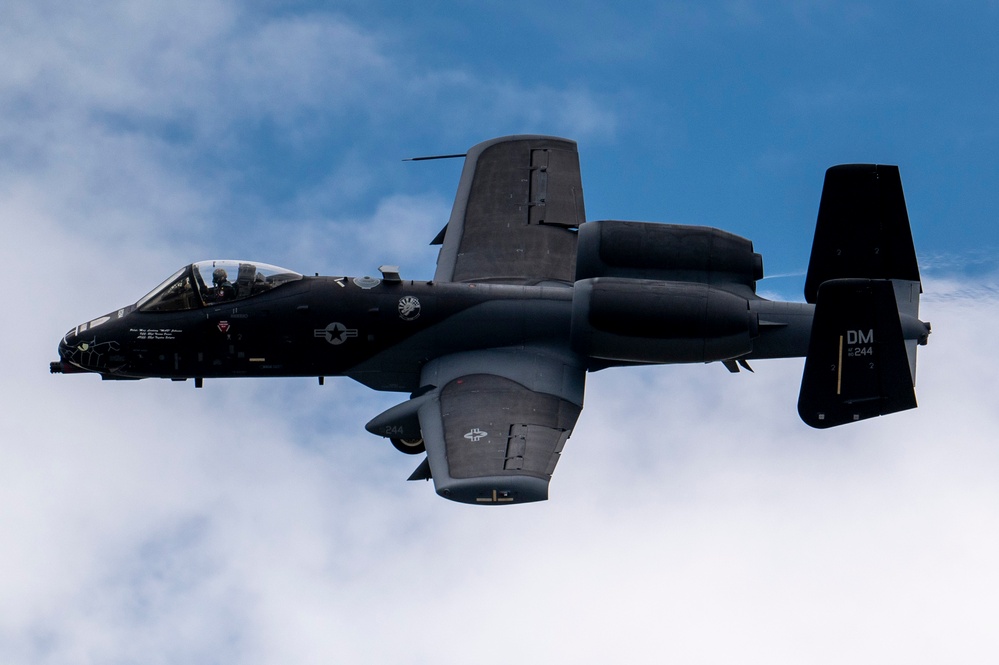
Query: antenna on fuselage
(423, 159)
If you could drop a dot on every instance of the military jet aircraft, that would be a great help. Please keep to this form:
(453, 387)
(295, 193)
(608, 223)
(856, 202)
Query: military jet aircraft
(527, 298)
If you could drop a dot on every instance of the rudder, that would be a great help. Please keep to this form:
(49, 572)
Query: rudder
(857, 366)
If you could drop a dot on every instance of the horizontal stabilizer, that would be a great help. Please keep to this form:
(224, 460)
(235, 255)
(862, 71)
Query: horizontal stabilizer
(857, 366)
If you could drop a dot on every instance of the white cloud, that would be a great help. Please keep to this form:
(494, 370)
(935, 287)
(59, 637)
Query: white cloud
(692, 517)
(398, 232)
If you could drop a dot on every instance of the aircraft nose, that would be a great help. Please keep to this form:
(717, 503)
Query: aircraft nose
(63, 365)
(94, 346)
(73, 355)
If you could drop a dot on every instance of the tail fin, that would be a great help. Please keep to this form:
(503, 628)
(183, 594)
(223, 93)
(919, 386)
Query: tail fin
(864, 281)
(857, 365)
(863, 228)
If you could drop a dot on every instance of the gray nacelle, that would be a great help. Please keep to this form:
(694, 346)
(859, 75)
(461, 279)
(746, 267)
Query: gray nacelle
(666, 252)
(663, 293)
(645, 321)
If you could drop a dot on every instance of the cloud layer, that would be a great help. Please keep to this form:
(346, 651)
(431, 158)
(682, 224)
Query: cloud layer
(692, 516)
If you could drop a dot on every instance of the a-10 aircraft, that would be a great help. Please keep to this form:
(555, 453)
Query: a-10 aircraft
(527, 298)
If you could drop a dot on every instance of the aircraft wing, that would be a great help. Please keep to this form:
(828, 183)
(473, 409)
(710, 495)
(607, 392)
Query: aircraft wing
(519, 203)
(496, 422)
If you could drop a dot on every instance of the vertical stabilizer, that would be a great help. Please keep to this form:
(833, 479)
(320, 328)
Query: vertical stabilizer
(864, 281)
(862, 228)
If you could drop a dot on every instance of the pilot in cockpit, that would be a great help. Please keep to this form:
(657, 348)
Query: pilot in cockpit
(222, 288)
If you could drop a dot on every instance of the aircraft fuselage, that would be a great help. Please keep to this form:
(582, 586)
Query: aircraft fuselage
(321, 326)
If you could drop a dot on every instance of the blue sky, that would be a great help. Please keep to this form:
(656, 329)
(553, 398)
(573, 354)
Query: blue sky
(693, 516)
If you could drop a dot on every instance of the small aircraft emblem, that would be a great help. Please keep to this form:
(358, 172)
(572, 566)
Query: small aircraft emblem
(475, 434)
(336, 333)
(409, 308)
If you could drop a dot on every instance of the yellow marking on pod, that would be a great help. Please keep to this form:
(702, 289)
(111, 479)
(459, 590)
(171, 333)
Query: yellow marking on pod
(495, 498)
(839, 368)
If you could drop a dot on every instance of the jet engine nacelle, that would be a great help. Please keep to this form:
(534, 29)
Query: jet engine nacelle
(668, 252)
(649, 321)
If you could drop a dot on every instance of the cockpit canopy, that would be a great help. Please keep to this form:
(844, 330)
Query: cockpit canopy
(212, 282)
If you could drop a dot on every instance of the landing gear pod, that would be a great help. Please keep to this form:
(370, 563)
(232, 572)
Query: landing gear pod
(409, 446)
